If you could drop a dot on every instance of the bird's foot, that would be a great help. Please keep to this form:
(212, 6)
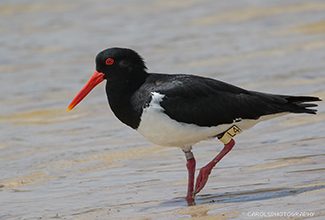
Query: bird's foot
(205, 171)
(190, 200)
(202, 178)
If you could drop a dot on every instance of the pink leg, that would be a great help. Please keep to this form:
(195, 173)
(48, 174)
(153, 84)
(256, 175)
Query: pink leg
(191, 163)
(206, 170)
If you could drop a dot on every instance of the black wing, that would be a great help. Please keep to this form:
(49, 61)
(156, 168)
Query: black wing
(208, 102)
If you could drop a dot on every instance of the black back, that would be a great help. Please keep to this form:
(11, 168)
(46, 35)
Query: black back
(208, 102)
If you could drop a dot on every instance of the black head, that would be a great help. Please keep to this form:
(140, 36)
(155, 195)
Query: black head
(115, 64)
(118, 63)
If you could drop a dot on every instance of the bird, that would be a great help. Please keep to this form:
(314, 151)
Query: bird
(180, 110)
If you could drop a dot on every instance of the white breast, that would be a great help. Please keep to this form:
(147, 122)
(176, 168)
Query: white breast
(160, 129)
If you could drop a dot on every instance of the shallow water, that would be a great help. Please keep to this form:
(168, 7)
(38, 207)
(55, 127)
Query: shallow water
(85, 164)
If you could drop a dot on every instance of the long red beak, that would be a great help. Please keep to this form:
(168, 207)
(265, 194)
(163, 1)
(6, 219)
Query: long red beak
(92, 83)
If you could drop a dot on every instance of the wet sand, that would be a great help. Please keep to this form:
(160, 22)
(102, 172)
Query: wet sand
(85, 164)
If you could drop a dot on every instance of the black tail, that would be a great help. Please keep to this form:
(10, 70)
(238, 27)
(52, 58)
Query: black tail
(297, 104)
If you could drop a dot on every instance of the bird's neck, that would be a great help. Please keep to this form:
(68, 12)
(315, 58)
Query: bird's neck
(119, 94)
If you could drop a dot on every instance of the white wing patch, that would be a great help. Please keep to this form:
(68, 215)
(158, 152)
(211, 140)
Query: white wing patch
(156, 99)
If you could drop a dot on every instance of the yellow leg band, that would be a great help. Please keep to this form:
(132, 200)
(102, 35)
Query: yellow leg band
(229, 134)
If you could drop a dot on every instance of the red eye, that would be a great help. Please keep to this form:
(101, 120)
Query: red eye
(109, 61)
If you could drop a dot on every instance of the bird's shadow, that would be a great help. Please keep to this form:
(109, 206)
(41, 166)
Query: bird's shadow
(247, 195)
(253, 195)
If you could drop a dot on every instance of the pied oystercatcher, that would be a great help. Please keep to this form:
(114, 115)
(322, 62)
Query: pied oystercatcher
(180, 110)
